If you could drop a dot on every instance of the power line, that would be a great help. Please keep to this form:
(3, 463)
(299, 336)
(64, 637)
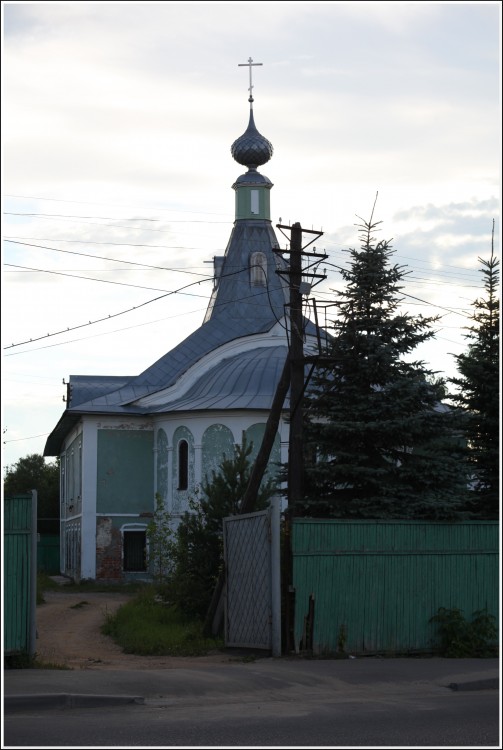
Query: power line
(434, 271)
(177, 291)
(424, 302)
(118, 205)
(103, 257)
(110, 218)
(31, 437)
(96, 335)
(109, 317)
(136, 307)
(138, 265)
(96, 242)
(124, 226)
(102, 281)
(459, 269)
(417, 279)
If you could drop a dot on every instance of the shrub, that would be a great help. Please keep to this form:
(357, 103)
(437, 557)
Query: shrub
(460, 638)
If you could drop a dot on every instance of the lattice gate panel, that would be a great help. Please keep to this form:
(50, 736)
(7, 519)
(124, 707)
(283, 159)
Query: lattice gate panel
(247, 550)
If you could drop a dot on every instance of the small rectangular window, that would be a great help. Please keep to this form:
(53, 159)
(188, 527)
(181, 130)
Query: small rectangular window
(135, 551)
(254, 201)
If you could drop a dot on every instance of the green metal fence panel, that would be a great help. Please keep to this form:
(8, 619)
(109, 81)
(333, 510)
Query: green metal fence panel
(48, 554)
(20, 560)
(376, 584)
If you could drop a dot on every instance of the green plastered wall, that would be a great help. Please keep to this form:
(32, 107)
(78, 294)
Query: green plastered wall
(243, 202)
(125, 471)
(378, 583)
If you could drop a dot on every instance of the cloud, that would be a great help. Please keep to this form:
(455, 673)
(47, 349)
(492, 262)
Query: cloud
(128, 111)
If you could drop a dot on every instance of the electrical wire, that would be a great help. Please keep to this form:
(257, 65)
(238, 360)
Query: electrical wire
(88, 278)
(135, 307)
(19, 241)
(109, 317)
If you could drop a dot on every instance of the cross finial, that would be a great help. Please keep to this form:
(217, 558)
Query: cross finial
(249, 64)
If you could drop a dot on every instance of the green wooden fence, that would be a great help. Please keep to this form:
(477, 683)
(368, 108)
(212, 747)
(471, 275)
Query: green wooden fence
(48, 554)
(372, 586)
(20, 573)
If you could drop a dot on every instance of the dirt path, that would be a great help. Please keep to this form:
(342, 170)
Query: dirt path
(68, 633)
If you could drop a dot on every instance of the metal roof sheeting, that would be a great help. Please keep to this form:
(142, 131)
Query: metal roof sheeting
(246, 381)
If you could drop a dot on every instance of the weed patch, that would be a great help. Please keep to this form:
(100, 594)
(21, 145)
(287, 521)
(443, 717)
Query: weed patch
(147, 627)
(460, 638)
(39, 664)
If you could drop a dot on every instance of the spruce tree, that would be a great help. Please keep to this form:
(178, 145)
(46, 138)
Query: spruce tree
(479, 386)
(379, 442)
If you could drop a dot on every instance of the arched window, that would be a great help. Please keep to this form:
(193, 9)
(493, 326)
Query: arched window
(183, 465)
(258, 269)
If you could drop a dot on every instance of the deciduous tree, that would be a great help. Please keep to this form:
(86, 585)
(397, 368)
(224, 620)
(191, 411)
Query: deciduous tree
(34, 473)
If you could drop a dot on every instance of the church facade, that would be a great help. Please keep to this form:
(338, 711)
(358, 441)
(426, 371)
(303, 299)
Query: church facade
(122, 440)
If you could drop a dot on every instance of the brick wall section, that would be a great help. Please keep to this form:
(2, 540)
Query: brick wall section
(108, 551)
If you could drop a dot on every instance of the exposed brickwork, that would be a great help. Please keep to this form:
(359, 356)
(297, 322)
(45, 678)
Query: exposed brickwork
(108, 551)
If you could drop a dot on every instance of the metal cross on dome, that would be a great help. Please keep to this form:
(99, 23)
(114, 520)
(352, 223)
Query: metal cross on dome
(249, 64)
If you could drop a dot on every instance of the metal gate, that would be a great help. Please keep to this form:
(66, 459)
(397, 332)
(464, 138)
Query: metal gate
(252, 586)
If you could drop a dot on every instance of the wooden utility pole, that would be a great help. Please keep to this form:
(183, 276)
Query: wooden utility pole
(270, 432)
(295, 449)
(295, 273)
(293, 376)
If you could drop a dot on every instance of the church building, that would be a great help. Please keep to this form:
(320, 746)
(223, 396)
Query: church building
(122, 440)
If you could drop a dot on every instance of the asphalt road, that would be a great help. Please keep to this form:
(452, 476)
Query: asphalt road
(454, 719)
(268, 703)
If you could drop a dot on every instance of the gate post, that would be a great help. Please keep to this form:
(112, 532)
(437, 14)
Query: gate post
(275, 577)
(33, 576)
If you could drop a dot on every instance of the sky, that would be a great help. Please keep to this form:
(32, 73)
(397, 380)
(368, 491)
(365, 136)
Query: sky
(117, 123)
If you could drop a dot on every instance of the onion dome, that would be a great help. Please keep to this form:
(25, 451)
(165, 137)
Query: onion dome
(251, 149)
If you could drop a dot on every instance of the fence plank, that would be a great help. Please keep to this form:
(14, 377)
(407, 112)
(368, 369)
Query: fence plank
(20, 561)
(379, 582)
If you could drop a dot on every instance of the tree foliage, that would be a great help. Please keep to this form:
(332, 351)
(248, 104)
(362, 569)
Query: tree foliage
(160, 541)
(379, 442)
(197, 551)
(33, 473)
(479, 387)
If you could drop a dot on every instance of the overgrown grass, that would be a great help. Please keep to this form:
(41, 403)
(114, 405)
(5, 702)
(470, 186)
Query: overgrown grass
(149, 627)
(40, 664)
